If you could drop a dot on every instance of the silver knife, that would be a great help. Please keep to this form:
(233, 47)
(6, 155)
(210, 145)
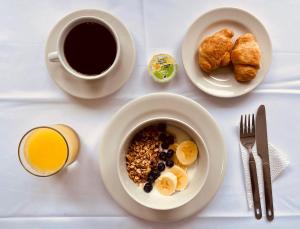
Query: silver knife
(263, 152)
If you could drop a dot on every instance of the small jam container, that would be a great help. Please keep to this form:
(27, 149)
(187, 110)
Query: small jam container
(162, 67)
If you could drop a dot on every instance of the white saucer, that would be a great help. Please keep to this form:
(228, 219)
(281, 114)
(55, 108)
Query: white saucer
(94, 88)
(222, 83)
(159, 105)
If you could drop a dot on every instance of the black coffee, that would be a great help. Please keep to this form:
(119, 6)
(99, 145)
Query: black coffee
(90, 48)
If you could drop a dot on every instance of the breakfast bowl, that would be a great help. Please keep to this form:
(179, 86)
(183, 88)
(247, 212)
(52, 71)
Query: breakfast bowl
(196, 172)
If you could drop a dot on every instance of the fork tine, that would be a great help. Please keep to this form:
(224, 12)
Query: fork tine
(241, 126)
(248, 125)
(244, 124)
(253, 124)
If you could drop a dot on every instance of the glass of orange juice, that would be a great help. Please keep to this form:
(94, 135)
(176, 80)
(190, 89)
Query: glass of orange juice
(46, 150)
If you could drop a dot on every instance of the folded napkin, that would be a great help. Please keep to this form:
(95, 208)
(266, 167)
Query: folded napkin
(278, 163)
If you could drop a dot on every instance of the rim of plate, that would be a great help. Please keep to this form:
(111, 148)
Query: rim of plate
(251, 87)
(108, 169)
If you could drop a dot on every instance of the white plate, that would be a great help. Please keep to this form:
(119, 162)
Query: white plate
(93, 88)
(152, 106)
(222, 83)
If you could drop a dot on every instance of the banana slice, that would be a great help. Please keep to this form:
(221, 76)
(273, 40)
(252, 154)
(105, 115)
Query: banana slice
(174, 147)
(177, 162)
(182, 178)
(166, 183)
(187, 152)
(174, 158)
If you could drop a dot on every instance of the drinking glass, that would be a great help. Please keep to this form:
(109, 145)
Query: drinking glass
(45, 150)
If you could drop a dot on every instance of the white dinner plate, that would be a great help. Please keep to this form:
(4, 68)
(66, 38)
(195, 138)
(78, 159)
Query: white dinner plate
(91, 89)
(222, 82)
(158, 105)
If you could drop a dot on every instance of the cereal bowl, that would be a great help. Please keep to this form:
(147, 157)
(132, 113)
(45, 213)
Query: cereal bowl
(197, 172)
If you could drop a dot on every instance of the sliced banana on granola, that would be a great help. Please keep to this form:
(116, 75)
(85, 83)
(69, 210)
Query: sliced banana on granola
(166, 183)
(187, 152)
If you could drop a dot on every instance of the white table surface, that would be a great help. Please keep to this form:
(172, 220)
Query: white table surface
(77, 197)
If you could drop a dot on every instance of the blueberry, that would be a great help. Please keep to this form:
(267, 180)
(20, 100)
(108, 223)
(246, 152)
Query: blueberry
(156, 173)
(161, 166)
(151, 178)
(170, 139)
(162, 127)
(162, 156)
(148, 187)
(162, 137)
(170, 153)
(169, 163)
(165, 145)
(153, 175)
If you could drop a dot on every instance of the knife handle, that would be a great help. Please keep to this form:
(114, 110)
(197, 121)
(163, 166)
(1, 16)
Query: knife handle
(268, 191)
(255, 187)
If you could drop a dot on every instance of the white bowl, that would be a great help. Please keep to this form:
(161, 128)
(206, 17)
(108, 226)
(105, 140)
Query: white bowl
(197, 173)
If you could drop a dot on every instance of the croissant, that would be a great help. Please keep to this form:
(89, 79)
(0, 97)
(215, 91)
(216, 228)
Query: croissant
(245, 57)
(214, 51)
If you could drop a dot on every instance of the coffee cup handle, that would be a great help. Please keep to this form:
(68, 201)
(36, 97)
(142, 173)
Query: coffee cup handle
(53, 57)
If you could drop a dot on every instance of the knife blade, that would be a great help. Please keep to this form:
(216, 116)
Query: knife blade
(263, 151)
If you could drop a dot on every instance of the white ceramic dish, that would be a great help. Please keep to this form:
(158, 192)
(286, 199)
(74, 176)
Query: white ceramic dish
(197, 173)
(97, 88)
(153, 106)
(222, 82)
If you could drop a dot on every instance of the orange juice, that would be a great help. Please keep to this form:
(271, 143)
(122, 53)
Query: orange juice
(72, 140)
(43, 151)
(46, 150)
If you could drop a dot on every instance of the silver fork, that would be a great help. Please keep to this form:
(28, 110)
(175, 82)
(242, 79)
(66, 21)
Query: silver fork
(247, 138)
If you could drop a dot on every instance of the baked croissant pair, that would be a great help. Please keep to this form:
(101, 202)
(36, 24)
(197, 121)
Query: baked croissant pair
(218, 50)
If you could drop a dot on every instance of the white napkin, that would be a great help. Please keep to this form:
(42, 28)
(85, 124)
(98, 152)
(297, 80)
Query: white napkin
(278, 163)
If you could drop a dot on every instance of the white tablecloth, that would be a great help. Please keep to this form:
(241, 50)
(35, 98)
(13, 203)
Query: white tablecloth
(77, 197)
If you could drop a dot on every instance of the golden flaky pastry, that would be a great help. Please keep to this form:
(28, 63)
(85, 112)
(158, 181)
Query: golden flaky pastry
(214, 51)
(245, 57)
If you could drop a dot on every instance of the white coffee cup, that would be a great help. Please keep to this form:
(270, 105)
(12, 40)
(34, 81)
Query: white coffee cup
(59, 55)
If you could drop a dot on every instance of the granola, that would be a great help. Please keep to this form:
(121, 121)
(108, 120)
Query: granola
(142, 154)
